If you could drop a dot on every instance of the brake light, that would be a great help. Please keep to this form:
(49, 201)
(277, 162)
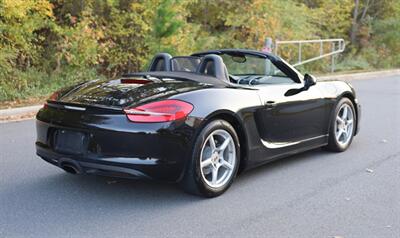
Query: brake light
(161, 111)
(53, 97)
(135, 81)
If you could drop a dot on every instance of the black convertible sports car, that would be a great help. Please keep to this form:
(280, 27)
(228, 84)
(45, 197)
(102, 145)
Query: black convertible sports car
(197, 120)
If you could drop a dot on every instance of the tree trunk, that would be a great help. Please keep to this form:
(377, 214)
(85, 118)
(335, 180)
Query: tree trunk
(366, 8)
(354, 26)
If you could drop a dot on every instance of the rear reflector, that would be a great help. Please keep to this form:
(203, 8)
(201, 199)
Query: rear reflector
(161, 111)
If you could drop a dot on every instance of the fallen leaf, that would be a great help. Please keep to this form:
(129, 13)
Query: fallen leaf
(384, 141)
(347, 198)
(369, 170)
(111, 182)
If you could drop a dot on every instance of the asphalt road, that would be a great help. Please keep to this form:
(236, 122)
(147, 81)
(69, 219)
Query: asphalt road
(315, 194)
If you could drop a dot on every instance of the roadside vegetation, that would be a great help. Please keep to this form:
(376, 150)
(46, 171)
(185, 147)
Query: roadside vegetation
(49, 44)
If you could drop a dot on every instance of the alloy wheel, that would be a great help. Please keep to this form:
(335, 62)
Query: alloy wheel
(218, 158)
(344, 125)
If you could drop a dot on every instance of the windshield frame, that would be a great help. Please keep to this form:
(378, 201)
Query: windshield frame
(278, 62)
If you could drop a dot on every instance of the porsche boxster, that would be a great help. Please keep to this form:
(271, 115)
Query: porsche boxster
(197, 120)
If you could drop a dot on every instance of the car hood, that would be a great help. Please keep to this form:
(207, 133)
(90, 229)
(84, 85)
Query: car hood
(121, 93)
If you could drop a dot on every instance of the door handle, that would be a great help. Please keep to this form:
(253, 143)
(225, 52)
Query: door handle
(270, 104)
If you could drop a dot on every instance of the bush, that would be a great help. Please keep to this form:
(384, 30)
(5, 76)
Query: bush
(353, 63)
(34, 83)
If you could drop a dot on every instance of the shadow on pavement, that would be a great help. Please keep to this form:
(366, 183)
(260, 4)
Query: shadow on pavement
(109, 190)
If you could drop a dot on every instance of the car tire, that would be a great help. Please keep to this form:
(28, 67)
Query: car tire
(341, 132)
(212, 168)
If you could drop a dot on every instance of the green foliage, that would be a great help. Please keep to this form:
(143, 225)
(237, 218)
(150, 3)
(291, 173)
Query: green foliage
(165, 24)
(333, 18)
(353, 63)
(20, 38)
(124, 46)
(47, 44)
(34, 83)
(386, 40)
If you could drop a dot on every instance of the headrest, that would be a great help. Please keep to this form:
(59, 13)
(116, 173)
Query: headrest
(161, 62)
(213, 65)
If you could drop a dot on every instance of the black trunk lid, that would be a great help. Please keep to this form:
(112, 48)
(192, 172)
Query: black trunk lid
(124, 92)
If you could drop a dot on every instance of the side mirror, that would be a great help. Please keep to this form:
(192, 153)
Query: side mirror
(309, 80)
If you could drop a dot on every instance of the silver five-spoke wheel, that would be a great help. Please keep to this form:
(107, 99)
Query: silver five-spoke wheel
(344, 125)
(218, 158)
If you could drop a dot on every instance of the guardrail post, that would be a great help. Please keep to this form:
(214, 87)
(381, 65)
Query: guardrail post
(299, 53)
(321, 49)
(333, 58)
(268, 45)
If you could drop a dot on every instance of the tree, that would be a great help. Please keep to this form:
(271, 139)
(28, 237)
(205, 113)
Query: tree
(20, 24)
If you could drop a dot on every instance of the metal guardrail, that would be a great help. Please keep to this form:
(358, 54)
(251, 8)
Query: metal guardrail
(337, 46)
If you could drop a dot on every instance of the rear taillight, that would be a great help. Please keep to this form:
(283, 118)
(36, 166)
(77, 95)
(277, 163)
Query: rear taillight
(53, 97)
(161, 111)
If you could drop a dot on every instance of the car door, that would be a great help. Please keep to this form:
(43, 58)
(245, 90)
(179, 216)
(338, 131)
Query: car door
(290, 112)
(287, 119)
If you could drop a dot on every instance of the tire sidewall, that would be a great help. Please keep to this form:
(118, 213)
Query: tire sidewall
(203, 187)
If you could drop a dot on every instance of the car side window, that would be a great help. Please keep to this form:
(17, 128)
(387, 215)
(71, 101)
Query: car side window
(273, 75)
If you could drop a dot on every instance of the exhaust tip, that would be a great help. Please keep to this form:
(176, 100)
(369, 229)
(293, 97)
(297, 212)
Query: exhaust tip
(69, 168)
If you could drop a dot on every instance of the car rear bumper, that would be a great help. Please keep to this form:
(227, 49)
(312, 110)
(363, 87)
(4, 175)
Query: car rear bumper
(117, 147)
(134, 168)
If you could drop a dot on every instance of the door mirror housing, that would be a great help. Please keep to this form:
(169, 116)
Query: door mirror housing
(309, 80)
